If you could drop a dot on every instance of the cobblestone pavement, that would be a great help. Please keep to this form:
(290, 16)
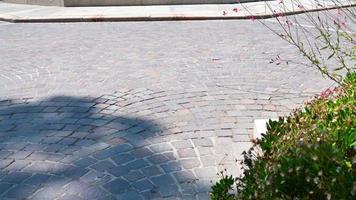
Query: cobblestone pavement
(136, 110)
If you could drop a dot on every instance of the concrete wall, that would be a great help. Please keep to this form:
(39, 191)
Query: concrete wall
(117, 2)
(38, 2)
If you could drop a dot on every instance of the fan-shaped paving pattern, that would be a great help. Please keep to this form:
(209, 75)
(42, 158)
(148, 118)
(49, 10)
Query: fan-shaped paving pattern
(131, 144)
(194, 89)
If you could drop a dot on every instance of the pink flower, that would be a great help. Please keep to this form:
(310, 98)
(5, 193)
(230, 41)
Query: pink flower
(330, 92)
(340, 23)
(236, 10)
(253, 18)
(343, 24)
(289, 23)
(280, 14)
(337, 90)
(326, 93)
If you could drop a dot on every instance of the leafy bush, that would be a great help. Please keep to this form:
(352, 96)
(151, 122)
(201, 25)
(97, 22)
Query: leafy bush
(222, 189)
(308, 155)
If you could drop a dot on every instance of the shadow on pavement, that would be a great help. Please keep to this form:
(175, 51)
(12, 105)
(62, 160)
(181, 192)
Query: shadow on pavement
(85, 148)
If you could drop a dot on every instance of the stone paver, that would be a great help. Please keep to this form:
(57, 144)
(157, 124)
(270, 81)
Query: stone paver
(136, 110)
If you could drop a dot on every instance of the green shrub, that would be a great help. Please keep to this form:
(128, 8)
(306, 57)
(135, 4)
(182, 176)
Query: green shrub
(222, 189)
(308, 155)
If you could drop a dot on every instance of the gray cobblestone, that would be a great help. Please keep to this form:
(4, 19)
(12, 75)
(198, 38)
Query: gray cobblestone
(188, 197)
(208, 172)
(186, 153)
(75, 172)
(143, 185)
(96, 177)
(47, 193)
(137, 164)
(85, 162)
(76, 187)
(85, 143)
(67, 141)
(56, 147)
(103, 154)
(118, 171)
(69, 150)
(190, 163)
(69, 159)
(39, 156)
(142, 152)
(69, 197)
(122, 148)
(20, 191)
(130, 195)
(208, 161)
(163, 180)
(117, 186)
(4, 154)
(203, 151)
(17, 165)
(151, 171)
(2, 173)
(161, 147)
(93, 192)
(185, 176)
(157, 159)
(188, 188)
(170, 155)
(133, 176)
(37, 179)
(103, 166)
(120, 159)
(20, 155)
(204, 186)
(153, 114)
(203, 196)
(204, 142)
(77, 134)
(182, 144)
(4, 187)
(5, 163)
(55, 157)
(16, 177)
(41, 166)
(171, 167)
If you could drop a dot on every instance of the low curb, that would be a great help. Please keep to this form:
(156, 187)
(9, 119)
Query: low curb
(173, 17)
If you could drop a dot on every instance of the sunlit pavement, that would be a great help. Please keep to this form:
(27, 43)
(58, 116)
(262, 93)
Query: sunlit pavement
(141, 110)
